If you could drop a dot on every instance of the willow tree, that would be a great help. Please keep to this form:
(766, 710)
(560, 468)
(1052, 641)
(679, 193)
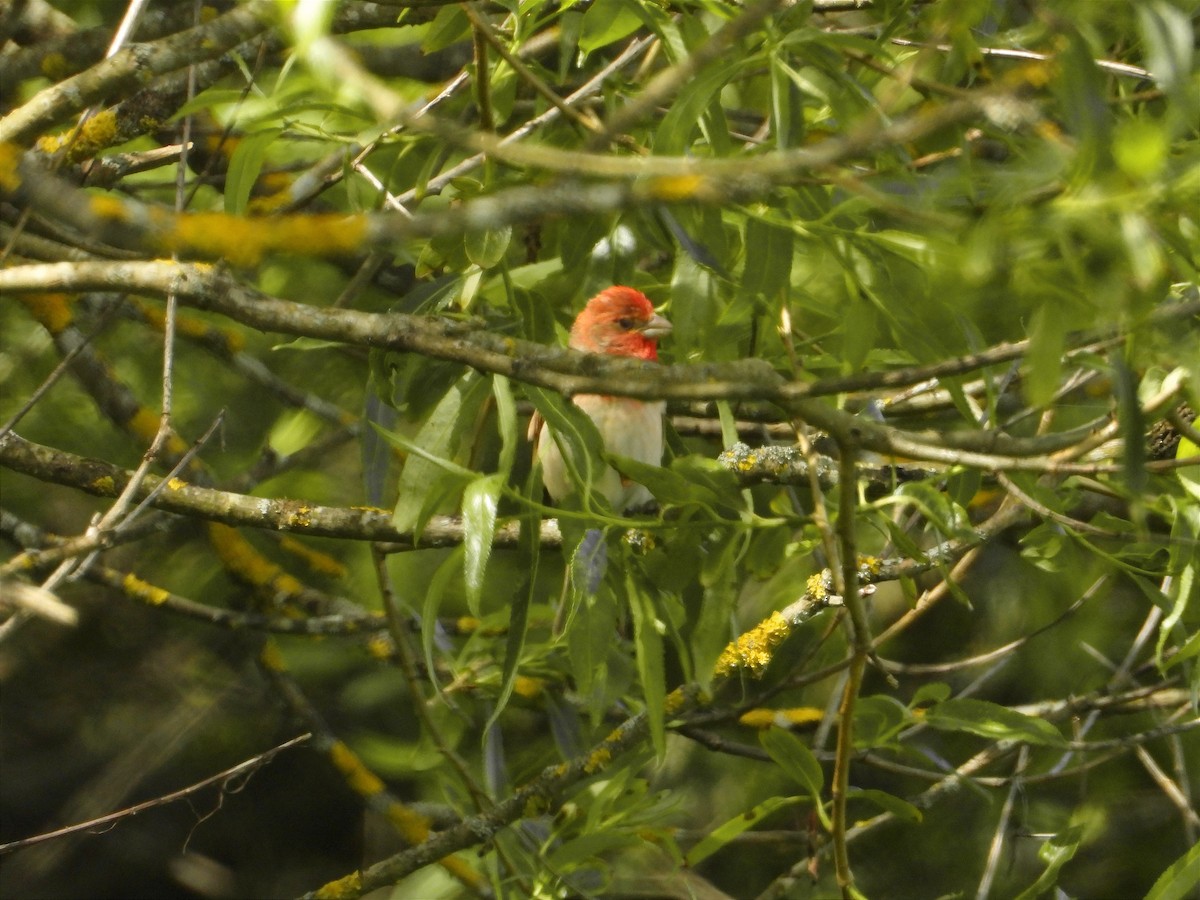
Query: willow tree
(915, 610)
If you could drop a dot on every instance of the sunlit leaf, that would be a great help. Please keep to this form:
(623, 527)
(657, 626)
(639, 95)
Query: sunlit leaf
(1180, 878)
(990, 720)
(486, 248)
(607, 21)
(480, 499)
(1055, 853)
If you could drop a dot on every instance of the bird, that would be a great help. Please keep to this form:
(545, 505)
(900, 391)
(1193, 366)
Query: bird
(619, 321)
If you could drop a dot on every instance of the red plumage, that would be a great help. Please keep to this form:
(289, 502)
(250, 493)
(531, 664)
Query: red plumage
(619, 321)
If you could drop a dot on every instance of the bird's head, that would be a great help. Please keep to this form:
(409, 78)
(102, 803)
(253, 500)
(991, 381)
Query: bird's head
(621, 322)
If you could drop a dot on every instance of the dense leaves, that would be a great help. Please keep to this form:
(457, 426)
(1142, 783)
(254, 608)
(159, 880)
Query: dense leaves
(932, 271)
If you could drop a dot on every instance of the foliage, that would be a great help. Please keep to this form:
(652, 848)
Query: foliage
(927, 521)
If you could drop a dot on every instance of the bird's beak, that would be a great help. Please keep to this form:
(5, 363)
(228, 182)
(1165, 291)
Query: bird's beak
(656, 327)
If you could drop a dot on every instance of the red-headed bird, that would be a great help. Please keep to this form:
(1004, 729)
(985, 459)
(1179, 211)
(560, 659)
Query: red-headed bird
(619, 321)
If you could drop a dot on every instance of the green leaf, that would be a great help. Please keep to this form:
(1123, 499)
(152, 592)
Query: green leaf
(648, 644)
(878, 719)
(244, 166)
(934, 692)
(606, 22)
(901, 809)
(1047, 337)
(438, 584)
(727, 831)
(589, 631)
(480, 499)
(448, 26)
(586, 850)
(1180, 879)
(1170, 45)
(486, 248)
(668, 487)
(1140, 148)
(429, 454)
(795, 758)
(683, 118)
(1056, 852)
(1184, 533)
(577, 435)
(768, 269)
(993, 721)
(506, 418)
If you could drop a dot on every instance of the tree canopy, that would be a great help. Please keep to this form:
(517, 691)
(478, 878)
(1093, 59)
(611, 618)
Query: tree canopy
(916, 611)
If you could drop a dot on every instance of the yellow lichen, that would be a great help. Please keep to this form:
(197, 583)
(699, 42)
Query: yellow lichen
(176, 484)
(676, 187)
(757, 718)
(144, 423)
(299, 517)
(597, 760)
(816, 587)
(10, 159)
(346, 886)
(380, 646)
(752, 651)
(54, 66)
(53, 311)
(84, 142)
(144, 591)
(413, 826)
(361, 780)
(802, 715)
(104, 485)
(314, 559)
(108, 207)
(526, 687)
(535, 806)
(270, 657)
(782, 718)
(243, 241)
(674, 701)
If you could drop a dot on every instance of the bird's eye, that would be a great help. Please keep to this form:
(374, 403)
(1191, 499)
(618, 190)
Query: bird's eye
(625, 323)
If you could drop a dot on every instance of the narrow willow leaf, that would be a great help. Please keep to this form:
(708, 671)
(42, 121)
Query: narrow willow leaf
(245, 164)
(1047, 337)
(376, 457)
(1184, 533)
(648, 644)
(683, 118)
(430, 452)
(1180, 879)
(506, 418)
(901, 809)
(576, 432)
(1133, 427)
(1170, 45)
(727, 831)
(991, 720)
(1055, 853)
(448, 26)
(769, 250)
(480, 499)
(606, 22)
(438, 584)
(589, 562)
(795, 758)
(590, 634)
